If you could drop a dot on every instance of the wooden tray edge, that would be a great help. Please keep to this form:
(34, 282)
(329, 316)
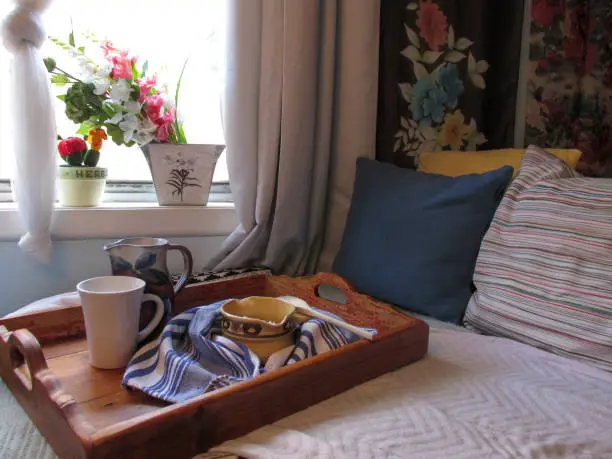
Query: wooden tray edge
(39, 392)
(219, 409)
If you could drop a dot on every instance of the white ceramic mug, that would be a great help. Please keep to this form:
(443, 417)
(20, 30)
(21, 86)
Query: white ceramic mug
(111, 307)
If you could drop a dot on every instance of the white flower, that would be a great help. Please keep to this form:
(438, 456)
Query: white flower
(116, 108)
(101, 84)
(128, 125)
(116, 119)
(132, 106)
(104, 69)
(120, 91)
(145, 132)
(143, 137)
(86, 68)
(137, 130)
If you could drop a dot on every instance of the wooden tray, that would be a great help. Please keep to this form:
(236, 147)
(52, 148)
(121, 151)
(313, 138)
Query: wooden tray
(84, 413)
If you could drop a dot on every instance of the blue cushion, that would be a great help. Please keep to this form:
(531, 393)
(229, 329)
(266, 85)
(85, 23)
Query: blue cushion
(412, 238)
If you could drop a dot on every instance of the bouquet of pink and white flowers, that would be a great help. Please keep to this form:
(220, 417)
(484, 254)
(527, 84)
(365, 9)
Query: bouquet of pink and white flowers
(116, 95)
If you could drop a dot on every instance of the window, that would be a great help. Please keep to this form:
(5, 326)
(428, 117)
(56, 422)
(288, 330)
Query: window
(163, 33)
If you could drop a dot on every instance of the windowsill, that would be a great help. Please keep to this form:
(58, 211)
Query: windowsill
(113, 220)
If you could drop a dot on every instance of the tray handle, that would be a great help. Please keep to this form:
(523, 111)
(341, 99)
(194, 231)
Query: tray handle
(334, 280)
(24, 348)
(40, 393)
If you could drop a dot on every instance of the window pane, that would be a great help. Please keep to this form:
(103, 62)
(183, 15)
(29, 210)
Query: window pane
(163, 33)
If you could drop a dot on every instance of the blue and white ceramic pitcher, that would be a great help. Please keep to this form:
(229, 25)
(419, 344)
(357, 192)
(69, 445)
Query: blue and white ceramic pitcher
(145, 257)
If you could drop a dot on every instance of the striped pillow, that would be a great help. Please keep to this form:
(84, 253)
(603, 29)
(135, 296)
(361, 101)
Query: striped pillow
(544, 271)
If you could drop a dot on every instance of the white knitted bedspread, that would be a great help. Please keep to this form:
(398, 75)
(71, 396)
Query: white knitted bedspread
(471, 397)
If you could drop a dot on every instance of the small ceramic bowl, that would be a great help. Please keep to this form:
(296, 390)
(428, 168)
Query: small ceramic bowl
(263, 324)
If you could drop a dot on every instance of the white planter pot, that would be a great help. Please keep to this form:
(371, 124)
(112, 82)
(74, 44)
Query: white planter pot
(81, 186)
(182, 174)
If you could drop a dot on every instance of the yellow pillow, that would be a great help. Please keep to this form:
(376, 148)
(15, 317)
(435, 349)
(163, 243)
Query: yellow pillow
(454, 163)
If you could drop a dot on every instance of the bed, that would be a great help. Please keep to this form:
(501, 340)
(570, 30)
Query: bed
(472, 396)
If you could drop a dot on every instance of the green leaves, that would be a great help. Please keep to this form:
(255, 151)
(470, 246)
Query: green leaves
(82, 103)
(111, 109)
(135, 71)
(60, 80)
(406, 90)
(412, 53)
(71, 35)
(145, 67)
(419, 70)
(87, 125)
(49, 64)
(430, 57)
(115, 133)
(178, 128)
(412, 37)
(454, 57)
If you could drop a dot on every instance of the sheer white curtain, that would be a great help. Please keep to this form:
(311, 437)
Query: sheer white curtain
(299, 107)
(33, 126)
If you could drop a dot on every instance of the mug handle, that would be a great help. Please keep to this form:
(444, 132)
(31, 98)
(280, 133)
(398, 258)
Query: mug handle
(159, 314)
(188, 267)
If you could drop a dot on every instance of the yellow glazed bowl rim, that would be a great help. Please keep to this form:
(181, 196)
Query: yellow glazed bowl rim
(269, 312)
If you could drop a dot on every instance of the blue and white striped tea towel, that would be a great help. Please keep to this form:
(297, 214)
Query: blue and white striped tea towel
(191, 356)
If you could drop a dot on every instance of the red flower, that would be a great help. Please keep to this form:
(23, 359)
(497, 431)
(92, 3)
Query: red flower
(543, 12)
(574, 39)
(432, 24)
(71, 146)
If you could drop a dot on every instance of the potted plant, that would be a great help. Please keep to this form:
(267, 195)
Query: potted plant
(115, 96)
(81, 183)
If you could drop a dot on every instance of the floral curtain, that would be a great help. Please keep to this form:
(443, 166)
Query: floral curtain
(569, 75)
(448, 76)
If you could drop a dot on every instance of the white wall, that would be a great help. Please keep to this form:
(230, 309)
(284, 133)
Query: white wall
(23, 279)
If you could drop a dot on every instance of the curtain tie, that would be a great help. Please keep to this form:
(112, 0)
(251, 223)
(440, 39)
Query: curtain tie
(22, 25)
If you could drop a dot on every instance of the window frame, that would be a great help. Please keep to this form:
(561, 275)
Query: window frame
(133, 191)
(132, 209)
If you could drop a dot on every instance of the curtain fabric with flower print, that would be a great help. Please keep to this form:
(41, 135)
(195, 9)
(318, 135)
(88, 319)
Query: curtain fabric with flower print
(448, 76)
(569, 80)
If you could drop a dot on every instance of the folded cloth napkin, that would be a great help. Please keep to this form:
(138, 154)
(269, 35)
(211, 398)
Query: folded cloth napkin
(191, 357)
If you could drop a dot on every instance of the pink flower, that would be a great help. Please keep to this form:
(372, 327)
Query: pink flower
(432, 24)
(122, 66)
(145, 85)
(162, 133)
(108, 49)
(167, 118)
(164, 124)
(122, 63)
(153, 106)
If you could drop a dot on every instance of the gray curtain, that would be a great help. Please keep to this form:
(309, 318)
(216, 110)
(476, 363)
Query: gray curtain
(286, 91)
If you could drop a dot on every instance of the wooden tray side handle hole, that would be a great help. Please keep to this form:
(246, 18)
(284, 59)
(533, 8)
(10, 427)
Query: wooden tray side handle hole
(21, 369)
(26, 357)
(330, 293)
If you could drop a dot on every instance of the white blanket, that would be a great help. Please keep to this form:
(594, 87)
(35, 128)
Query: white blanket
(472, 396)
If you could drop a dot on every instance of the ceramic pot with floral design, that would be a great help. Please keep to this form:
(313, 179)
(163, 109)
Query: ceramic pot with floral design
(182, 174)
